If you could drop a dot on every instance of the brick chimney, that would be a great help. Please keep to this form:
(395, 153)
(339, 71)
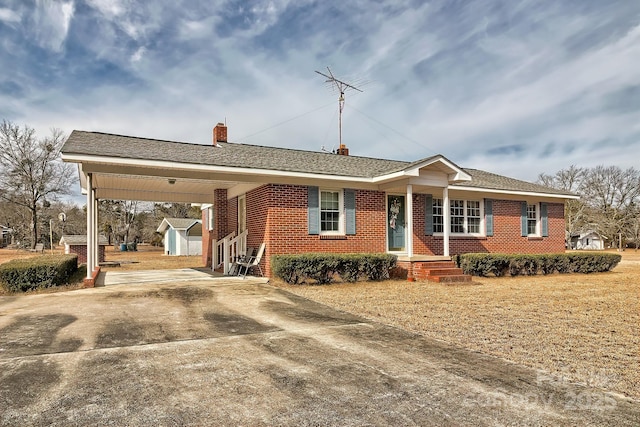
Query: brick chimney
(219, 133)
(343, 150)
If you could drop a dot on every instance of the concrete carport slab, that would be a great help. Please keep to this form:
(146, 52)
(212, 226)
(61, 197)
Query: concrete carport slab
(245, 353)
(108, 278)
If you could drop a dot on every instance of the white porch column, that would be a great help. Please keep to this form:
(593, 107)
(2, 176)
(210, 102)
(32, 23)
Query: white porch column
(89, 225)
(409, 220)
(95, 232)
(446, 220)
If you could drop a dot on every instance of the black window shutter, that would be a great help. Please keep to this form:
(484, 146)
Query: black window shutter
(544, 219)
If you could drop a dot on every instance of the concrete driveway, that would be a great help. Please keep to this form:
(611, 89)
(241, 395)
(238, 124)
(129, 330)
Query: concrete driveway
(213, 352)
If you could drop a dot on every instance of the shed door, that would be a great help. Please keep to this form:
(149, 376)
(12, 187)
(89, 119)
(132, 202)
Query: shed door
(172, 241)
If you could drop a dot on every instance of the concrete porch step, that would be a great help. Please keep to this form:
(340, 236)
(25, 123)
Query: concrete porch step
(457, 278)
(433, 264)
(444, 271)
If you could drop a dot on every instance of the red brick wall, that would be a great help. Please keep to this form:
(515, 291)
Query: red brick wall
(277, 216)
(81, 251)
(506, 237)
(219, 226)
(287, 224)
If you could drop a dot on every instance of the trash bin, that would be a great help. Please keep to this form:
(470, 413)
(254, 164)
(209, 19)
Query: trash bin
(123, 247)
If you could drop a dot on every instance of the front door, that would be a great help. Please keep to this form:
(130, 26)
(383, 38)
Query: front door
(396, 223)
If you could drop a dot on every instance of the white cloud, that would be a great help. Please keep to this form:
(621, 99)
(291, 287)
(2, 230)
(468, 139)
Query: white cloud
(110, 8)
(137, 56)
(52, 20)
(9, 16)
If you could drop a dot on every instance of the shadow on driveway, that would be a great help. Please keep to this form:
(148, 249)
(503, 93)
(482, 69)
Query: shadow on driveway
(242, 352)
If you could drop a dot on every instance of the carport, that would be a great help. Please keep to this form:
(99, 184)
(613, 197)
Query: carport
(156, 171)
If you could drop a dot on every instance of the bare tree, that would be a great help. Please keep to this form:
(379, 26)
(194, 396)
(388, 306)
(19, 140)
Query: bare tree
(612, 194)
(117, 218)
(574, 210)
(31, 170)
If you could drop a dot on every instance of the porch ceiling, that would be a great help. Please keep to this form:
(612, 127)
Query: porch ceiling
(157, 189)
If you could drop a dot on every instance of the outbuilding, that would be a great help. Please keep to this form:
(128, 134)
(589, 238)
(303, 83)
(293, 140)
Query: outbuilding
(182, 236)
(77, 244)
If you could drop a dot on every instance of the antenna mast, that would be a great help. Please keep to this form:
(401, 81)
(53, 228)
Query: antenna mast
(342, 87)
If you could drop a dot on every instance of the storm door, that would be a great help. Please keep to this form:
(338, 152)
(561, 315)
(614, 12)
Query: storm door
(396, 235)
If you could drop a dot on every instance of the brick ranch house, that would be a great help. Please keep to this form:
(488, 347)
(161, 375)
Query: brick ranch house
(299, 201)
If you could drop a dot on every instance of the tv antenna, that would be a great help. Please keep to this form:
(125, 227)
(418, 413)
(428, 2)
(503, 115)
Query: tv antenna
(342, 87)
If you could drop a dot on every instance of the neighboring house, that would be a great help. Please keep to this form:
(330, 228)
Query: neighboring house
(182, 236)
(77, 244)
(299, 201)
(589, 240)
(5, 236)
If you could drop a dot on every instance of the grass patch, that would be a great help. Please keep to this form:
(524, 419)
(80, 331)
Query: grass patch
(582, 327)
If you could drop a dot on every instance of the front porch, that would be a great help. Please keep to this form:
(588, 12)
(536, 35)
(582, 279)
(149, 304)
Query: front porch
(439, 269)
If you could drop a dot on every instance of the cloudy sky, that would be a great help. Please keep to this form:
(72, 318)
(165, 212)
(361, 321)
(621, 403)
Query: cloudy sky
(513, 87)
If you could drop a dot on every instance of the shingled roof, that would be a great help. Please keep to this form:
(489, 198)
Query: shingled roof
(492, 181)
(270, 158)
(227, 154)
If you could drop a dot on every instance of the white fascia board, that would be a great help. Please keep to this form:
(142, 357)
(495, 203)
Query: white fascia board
(414, 171)
(390, 177)
(513, 192)
(207, 168)
(203, 206)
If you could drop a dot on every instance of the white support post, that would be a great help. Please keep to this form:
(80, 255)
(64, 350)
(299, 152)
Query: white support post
(96, 260)
(446, 220)
(409, 226)
(89, 226)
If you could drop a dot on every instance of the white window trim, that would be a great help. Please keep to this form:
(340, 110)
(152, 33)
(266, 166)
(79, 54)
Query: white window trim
(538, 232)
(244, 198)
(341, 220)
(483, 228)
(211, 219)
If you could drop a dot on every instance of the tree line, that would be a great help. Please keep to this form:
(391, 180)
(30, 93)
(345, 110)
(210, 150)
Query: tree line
(34, 181)
(609, 202)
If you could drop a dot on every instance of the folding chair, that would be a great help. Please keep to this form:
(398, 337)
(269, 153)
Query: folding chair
(234, 270)
(252, 262)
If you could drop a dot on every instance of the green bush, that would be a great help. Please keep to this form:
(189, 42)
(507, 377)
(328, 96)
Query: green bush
(21, 275)
(523, 264)
(322, 267)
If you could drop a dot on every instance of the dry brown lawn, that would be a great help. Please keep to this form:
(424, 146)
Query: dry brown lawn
(149, 258)
(578, 327)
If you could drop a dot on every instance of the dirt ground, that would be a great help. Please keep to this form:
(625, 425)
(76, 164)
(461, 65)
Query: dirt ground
(145, 258)
(237, 352)
(149, 258)
(585, 328)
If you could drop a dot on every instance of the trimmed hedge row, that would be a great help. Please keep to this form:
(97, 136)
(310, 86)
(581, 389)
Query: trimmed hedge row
(322, 267)
(20, 275)
(528, 265)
